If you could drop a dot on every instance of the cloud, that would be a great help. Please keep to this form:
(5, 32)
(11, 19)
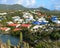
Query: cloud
(33, 1)
(26, 2)
(30, 2)
(4, 1)
(56, 4)
(19, 1)
(57, 7)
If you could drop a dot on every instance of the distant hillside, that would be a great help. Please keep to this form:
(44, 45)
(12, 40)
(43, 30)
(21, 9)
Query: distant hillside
(11, 7)
(19, 7)
(43, 9)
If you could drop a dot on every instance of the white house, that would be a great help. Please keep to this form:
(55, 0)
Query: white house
(16, 18)
(10, 22)
(28, 16)
(42, 19)
(21, 21)
(4, 13)
(55, 19)
(35, 28)
(58, 22)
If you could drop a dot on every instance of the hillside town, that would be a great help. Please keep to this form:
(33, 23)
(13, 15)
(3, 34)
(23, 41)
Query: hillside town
(33, 28)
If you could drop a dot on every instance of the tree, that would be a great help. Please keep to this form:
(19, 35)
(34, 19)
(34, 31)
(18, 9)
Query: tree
(43, 44)
(27, 45)
(55, 35)
(8, 43)
(21, 37)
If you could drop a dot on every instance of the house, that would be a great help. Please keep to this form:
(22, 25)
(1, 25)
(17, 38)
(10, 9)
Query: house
(1, 18)
(58, 22)
(4, 13)
(4, 28)
(16, 18)
(26, 25)
(42, 20)
(17, 29)
(55, 19)
(40, 23)
(14, 25)
(20, 21)
(29, 20)
(36, 28)
(36, 23)
(38, 13)
(10, 22)
(28, 16)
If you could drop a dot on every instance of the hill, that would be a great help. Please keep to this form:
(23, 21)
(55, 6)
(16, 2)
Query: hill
(19, 7)
(11, 7)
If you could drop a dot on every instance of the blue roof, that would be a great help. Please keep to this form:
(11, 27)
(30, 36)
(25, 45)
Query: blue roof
(1, 18)
(36, 22)
(54, 18)
(43, 22)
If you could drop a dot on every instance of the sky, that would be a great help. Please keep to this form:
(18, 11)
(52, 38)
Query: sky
(49, 4)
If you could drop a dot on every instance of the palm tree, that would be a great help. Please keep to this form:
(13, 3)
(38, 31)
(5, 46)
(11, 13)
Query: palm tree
(21, 38)
(24, 45)
(8, 43)
(27, 45)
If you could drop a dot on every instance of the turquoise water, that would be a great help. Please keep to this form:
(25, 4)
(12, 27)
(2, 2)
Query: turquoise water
(13, 40)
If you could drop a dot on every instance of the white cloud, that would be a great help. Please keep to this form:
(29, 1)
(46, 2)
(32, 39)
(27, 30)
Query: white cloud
(33, 1)
(4, 1)
(57, 7)
(19, 1)
(30, 2)
(26, 2)
(56, 4)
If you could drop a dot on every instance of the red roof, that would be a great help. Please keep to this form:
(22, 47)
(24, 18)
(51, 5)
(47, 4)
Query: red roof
(25, 25)
(3, 28)
(12, 24)
(17, 29)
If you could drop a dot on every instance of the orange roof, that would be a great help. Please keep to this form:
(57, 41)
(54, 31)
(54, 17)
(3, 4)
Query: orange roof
(25, 25)
(12, 24)
(3, 28)
(49, 16)
(17, 29)
(42, 15)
